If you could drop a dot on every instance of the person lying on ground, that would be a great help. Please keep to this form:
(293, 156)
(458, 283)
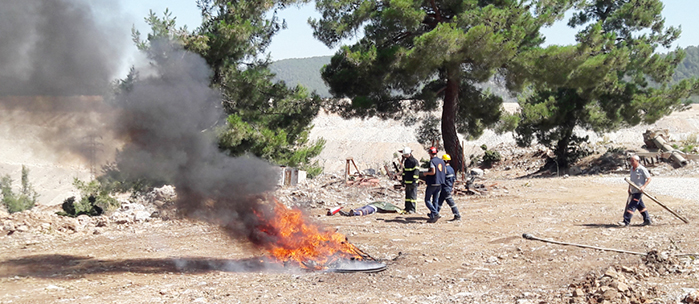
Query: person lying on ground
(380, 207)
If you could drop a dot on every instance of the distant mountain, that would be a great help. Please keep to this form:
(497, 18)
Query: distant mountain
(306, 72)
(303, 71)
(689, 67)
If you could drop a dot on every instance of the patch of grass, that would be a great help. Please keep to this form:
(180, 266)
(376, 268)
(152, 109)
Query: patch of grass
(616, 150)
(690, 144)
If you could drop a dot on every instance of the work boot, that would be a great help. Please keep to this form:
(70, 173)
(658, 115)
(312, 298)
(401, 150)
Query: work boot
(622, 224)
(434, 218)
(456, 218)
(646, 218)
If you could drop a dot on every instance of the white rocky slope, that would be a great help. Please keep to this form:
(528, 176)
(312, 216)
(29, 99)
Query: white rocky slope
(373, 142)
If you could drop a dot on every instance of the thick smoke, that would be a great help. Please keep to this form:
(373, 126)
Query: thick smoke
(57, 58)
(58, 47)
(167, 120)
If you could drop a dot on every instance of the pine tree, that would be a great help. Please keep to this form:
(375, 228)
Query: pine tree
(415, 53)
(265, 118)
(612, 78)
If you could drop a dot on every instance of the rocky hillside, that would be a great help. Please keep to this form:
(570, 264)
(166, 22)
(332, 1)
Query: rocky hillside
(373, 142)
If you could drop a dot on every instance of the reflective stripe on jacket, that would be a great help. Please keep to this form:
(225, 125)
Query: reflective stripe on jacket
(449, 178)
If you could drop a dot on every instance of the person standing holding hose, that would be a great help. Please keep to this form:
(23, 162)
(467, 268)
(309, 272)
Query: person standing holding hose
(640, 177)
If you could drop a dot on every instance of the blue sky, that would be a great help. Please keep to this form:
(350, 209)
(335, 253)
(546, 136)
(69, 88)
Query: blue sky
(297, 40)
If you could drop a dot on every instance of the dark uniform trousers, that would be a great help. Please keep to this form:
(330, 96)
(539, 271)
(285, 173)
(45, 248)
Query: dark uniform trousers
(411, 197)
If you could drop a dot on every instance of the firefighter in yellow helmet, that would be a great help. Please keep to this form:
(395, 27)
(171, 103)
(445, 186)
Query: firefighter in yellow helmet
(447, 187)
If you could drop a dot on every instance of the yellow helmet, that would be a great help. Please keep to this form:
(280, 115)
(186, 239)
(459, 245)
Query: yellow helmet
(446, 157)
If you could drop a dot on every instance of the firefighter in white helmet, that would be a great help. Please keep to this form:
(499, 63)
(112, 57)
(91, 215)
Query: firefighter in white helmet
(410, 178)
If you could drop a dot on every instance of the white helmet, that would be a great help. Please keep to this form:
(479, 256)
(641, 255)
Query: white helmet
(406, 151)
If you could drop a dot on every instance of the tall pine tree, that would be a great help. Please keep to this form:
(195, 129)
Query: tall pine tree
(429, 50)
(613, 77)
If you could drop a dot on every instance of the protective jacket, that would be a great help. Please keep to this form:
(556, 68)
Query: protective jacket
(449, 179)
(410, 170)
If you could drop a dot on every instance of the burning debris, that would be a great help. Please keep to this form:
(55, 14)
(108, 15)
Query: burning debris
(168, 122)
(297, 241)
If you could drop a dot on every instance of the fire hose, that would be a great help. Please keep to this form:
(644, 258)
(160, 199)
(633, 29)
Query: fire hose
(533, 238)
(657, 201)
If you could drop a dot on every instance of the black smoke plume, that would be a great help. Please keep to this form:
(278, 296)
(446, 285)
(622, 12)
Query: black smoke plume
(57, 58)
(168, 121)
(59, 47)
(54, 50)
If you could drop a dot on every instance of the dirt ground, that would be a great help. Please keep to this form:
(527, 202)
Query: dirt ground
(481, 259)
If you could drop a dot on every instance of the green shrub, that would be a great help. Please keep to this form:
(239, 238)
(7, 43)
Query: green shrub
(84, 206)
(491, 156)
(688, 148)
(689, 143)
(312, 170)
(475, 159)
(95, 200)
(25, 200)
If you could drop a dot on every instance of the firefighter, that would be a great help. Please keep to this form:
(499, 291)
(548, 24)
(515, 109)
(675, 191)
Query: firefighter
(434, 179)
(410, 179)
(448, 185)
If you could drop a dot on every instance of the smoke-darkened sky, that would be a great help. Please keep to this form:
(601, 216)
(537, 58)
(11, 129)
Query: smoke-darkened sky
(60, 47)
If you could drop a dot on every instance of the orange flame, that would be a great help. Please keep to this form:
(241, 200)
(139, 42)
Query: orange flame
(307, 244)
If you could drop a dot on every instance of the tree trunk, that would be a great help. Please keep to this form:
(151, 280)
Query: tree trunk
(562, 146)
(450, 137)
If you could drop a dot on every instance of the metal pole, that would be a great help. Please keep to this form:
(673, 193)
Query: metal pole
(531, 237)
(657, 201)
